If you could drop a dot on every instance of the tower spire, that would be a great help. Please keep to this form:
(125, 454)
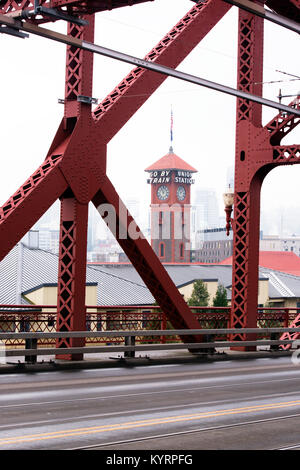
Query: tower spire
(171, 132)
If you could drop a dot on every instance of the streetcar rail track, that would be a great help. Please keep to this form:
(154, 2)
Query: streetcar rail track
(288, 447)
(191, 431)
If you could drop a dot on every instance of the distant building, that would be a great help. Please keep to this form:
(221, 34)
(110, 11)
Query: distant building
(44, 239)
(277, 243)
(92, 227)
(213, 245)
(205, 210)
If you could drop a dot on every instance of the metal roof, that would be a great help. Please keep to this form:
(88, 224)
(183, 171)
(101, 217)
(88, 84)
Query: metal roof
(120, 284)
(41, 267)
(283, 261)
(281, 284)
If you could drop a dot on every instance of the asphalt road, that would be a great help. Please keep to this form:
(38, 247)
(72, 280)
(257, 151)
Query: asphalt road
(248, 404)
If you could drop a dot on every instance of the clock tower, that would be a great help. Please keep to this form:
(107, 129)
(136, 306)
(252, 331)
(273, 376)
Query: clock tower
(171, 179)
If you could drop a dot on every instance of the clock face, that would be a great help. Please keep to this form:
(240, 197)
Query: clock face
(163, 193)
(180, 193)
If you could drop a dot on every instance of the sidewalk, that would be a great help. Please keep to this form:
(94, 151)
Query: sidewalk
(104, 360)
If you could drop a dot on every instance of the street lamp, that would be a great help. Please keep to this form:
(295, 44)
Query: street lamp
(228, 199)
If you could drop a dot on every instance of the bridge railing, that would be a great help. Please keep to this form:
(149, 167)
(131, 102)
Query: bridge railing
(129, 346)
(42, 318)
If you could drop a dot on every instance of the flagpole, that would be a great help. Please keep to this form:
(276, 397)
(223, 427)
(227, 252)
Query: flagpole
(171, 131)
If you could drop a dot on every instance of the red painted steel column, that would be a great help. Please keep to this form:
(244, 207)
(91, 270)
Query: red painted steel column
(71, 315)
(247, 182)
(72, 272)
(79, 71)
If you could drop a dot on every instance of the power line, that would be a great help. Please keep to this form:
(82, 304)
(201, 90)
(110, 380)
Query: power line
(286, 73)
(277, 81)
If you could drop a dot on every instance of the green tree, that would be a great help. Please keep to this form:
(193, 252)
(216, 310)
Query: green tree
(220, 299)
(200, 295)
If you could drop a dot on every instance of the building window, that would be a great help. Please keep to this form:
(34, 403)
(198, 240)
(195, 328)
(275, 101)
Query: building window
(181, 250)
(161, 250)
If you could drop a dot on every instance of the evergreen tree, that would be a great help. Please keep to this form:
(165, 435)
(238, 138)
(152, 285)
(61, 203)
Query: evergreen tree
(200, 295)
(220, 299)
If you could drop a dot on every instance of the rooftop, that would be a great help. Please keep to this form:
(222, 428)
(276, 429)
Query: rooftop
(284, 261)
(119, 283)
(171, 161)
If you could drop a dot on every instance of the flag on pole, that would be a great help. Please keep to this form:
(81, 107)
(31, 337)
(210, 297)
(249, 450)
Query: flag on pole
(171, 130)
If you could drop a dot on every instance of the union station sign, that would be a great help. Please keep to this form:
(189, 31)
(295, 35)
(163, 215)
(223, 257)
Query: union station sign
(168, 176)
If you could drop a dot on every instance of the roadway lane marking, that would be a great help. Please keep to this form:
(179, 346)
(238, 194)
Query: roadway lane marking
(144, 410)
(141, 377)
(143, 423)
(152, 392)
(191, 431)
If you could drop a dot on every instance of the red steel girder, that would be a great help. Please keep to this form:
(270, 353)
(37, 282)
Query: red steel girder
(73, 7)
(74, 212)
(245, 253)
(94, 6)
(82, 139)
(282, 124)
(72, 272)
(30, 202)
(258, 151)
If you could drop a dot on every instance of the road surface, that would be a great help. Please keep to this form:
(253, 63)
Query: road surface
(237, 404)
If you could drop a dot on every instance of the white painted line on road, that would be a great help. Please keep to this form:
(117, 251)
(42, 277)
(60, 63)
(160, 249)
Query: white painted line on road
(147, 410)
(148, 393)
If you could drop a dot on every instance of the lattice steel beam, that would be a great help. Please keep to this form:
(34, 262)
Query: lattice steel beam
(258, 151)
(282, 124)
(72, 7)
(33, 198)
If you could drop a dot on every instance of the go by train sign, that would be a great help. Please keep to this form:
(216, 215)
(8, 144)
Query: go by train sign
(169, 176)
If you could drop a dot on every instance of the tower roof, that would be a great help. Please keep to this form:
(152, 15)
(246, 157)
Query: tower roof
(171, 161)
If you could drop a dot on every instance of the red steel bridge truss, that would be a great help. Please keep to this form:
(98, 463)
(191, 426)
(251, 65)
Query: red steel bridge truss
(74, 169)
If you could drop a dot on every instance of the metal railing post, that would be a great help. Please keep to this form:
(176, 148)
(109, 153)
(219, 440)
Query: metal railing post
(274, 337)
(31, 343)
(286, 317)
(208, 339)
(129, 341)
(163, 327)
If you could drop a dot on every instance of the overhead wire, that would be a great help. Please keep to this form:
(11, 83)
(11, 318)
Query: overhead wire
(296, 77)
